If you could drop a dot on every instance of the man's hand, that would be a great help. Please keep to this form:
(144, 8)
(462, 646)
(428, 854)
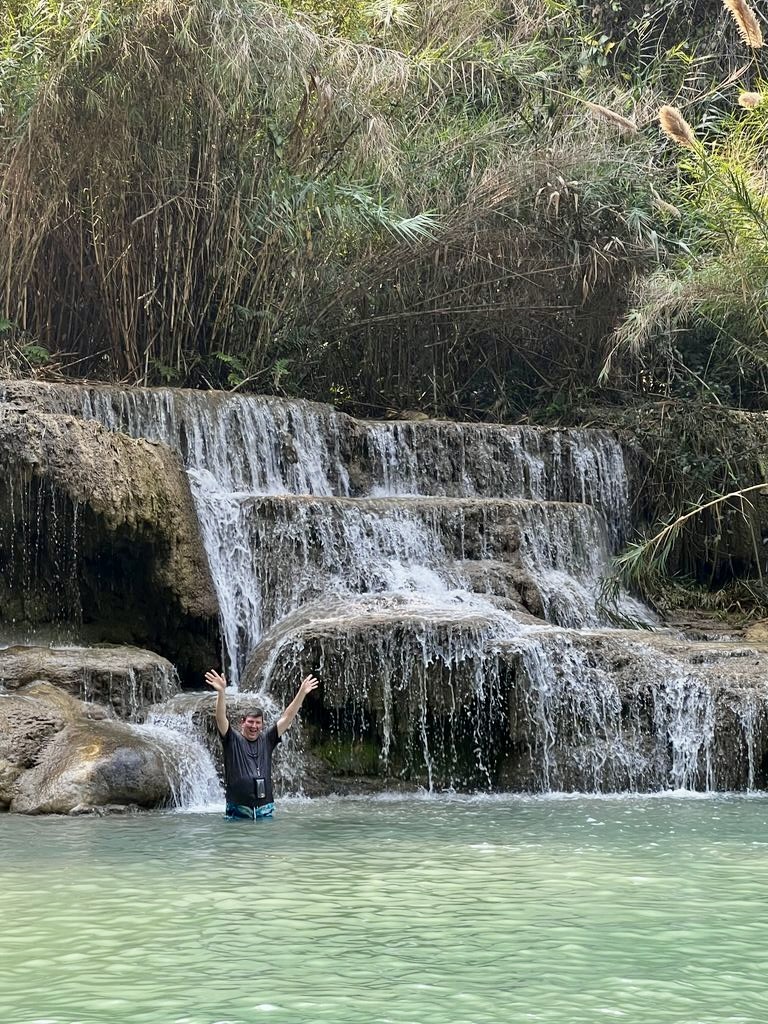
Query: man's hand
(218, 682)
(308, 684)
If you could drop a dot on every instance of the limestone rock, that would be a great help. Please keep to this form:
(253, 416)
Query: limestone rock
(61, 755)
(125, 678)
(95, 764)
(29, 719)
(9, 773)
(99, 525)
(62, 703)
(26, 724)
(543, 557)
(454, 698)
(392, 673)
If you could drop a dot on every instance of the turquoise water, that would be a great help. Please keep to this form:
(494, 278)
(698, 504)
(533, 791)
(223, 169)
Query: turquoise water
(425, 911)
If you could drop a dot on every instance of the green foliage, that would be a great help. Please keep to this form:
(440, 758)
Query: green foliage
(645, 563)
(229, 367)
(160, 373)
(36, 355)
(700, 474)
(280, 372)
(701, 323)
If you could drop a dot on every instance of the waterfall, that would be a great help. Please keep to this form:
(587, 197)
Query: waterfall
(491, 460)
(605, 711)
(38, 528)
(444, 580)
(189, 765)
(240, 450)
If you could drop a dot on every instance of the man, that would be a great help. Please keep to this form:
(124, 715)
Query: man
(248, 753)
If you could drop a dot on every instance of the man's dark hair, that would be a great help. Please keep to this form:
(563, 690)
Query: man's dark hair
(253, 713)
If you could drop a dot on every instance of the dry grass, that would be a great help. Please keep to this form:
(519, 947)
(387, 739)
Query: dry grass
(675, 127)
(746, 22)
(750, 100)
(606, 114)
(211, 190)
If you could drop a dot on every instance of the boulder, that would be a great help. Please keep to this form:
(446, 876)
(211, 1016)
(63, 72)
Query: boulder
(29, 719)
(26, 725)
(95, 764)
(60, 754)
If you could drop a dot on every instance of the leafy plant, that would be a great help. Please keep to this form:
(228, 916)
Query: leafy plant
(36, 355)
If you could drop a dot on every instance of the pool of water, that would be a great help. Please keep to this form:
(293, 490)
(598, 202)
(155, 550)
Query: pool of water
(419, 911)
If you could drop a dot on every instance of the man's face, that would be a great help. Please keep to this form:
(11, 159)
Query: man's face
(251, 727)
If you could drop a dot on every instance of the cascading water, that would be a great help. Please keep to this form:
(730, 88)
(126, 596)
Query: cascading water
(240, 449)
(403, 562)
(38, 528)
(190, 768)
(491, 460)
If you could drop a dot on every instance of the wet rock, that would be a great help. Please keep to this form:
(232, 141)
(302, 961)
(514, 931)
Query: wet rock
(422, 688)
(108, 809)
(99, 528)
(9, 774)
(445, 698)
(58, 753)
(631, 710)
(69, 708)
(30, 718)
(494, 460)
(332, 453)
(543, 557)
(26, 725)
(127, 679)
(95, 764)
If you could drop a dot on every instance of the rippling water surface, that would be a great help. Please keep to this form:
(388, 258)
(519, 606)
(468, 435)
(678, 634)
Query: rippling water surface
(426, 911)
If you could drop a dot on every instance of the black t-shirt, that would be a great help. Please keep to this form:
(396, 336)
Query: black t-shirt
(244, 762)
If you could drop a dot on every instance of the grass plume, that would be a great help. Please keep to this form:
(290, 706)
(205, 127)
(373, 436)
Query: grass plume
(613, 117)
(675, 127)
(746, 22)
(750, 100)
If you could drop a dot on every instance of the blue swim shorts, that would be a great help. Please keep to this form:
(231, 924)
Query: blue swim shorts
(242, 812)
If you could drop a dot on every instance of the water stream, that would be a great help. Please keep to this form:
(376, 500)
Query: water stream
(240, 449)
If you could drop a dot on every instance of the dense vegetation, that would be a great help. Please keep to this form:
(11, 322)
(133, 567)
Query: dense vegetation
(389, 204)
(463, 207)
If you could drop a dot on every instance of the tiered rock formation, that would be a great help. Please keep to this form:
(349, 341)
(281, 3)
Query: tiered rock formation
(444, 580)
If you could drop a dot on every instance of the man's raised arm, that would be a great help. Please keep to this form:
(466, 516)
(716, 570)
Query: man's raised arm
(285, 721)
(219, 683)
